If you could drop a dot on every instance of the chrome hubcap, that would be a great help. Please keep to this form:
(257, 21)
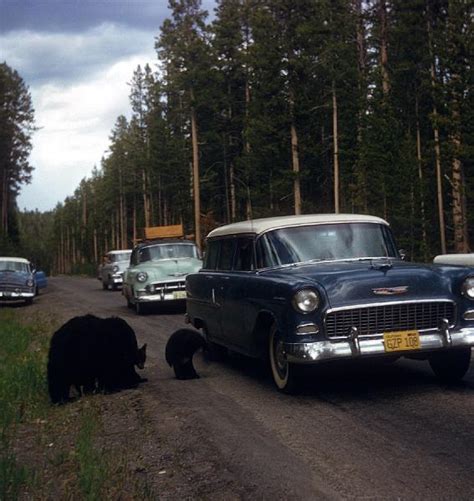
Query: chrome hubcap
(280, 358)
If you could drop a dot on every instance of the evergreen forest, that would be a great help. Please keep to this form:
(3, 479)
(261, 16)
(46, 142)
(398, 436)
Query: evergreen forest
(273, 107)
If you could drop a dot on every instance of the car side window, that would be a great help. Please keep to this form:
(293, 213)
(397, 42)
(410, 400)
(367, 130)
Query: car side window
(133, 258)
(226, 254)
(212, 255)
(244, 256)
(266, 256)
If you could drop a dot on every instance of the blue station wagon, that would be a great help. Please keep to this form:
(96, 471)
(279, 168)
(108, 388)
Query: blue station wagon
(300, 290)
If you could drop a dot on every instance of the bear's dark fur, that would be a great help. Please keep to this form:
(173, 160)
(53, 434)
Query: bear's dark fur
(93, 353)
(180, 348)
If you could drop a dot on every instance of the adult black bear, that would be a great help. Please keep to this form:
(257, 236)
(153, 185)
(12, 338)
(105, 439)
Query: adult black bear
(180, 348)
(93, 353)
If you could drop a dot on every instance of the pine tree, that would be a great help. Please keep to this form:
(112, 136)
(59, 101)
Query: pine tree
(16, 128)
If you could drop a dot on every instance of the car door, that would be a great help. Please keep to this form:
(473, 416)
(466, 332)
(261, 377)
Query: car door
(237, 312)
(206, 288)
(219, 281)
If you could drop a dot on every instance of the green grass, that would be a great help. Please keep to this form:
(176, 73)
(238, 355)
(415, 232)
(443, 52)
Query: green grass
(93, 471)
(22, 395)
(46, 450)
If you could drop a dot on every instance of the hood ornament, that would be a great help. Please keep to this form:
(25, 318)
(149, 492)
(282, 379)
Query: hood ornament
(391, 291)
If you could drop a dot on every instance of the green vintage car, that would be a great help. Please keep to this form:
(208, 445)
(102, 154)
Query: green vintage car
(157, 272)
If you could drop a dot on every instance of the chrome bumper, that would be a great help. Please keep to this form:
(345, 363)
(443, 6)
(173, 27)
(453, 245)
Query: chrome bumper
(15, 295)
(153, 298)
(354, 346)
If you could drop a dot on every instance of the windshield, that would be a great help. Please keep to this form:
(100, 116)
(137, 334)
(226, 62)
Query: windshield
(123, 256)
(326, 242)
(14, 266)
(167, 251)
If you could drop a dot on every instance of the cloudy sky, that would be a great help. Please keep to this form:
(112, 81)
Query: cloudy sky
(77, 57)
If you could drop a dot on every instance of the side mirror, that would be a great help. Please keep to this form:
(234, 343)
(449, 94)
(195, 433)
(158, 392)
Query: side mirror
(403, 254)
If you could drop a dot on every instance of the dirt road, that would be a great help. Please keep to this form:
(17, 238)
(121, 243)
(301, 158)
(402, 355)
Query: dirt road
(355, 432)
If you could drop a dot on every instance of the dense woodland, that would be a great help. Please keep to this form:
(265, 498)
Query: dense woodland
(274, 107)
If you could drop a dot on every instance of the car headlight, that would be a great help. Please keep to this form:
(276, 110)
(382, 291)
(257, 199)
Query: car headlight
(30, 283)
(115, 269)
(142, 276)
(468, 287)
(306, 300)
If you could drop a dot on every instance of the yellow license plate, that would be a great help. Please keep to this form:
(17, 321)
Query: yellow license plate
(179, 295)
(401, 341)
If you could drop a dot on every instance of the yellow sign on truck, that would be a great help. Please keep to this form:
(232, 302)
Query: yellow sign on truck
(170, 231)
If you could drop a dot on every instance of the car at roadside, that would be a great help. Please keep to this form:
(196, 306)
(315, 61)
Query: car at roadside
(157, 272)
(112, 270)
(17, 280)
(301, 290)
(456, 259)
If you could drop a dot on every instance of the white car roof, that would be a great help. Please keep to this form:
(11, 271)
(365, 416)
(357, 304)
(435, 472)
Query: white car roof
(120, 251)
(258, 226)
(17, 259)
(459, 259)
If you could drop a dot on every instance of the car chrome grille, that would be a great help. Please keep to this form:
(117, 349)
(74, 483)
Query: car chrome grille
(375, 320)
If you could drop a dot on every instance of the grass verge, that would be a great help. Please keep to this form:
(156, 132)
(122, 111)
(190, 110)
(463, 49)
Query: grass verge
(22, 395)
(62, 452)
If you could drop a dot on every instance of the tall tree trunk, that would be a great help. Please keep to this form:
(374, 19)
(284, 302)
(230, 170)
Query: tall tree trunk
(233, 204)
(196, 182)
(437, 148)
(247, 151)
(61, 249)
(461, 243)
(230, 190)
(361, 176)
(335, 148)
(118, 237)
(112, 227)
(96, 254)
(421, 183)
(146, 210)
(247, 44)
(294, 155)
(122, 216)
(383, 47)
(5, 192)
(134, 221)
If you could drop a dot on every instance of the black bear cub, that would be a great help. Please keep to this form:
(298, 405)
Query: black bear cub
(93, 354)
(180, 348)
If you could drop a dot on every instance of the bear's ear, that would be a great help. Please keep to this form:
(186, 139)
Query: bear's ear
(143, 347)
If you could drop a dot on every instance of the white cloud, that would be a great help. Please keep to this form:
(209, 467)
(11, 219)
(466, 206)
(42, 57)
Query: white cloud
(76, 115)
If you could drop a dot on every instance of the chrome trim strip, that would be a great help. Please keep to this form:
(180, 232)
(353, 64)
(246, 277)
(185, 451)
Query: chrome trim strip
(317, 351)
(388, 303)
(468, 315)
(314, 329)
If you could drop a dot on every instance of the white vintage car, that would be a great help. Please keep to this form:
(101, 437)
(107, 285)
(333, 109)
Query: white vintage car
(456, 259)
(157, 272)
(111, 272)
